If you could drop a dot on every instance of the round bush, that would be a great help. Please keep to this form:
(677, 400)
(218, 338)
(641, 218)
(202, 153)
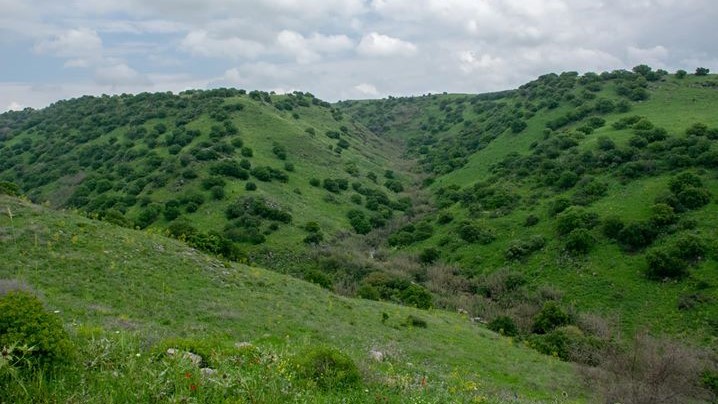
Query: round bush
(664, 263)
(504, 325)
(550, 317)
(579, 241)
(327, 368)
(24, 321)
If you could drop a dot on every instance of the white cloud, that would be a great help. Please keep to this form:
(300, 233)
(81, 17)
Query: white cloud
(469, 61)
(15, 106)
(375, 44)
(120, 74)
(73, 43)
(232, 76)
(202, 43)
(651, 56)
(308, 50)
(367, 89)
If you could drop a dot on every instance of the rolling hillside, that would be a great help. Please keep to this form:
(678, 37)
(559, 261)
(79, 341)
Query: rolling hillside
(603, 186)
(569, 215)
(226, 166)
(123, 293)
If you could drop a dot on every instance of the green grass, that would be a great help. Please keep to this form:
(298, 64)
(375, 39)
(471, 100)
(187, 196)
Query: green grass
(149, 288)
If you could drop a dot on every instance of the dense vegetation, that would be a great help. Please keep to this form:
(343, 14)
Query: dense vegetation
(563, 214)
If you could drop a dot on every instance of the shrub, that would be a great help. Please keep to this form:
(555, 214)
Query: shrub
(414, 321)
(246, 152)
(473, 233)
(569, 344)
(575, 218)
(612, 226)
(217, 192)
(550, 317)
(662, 215)
(665, 263)
(25, 322)
(359, 221)
(416, 296)
(690, 247)
(327, 368)
(636, 235)
(314, 238)
(429, 255)
(519, 249)
(702, 71)
(314, 182)
(504, 325)
(250, 186)
(9, 188)
(531, 220)
(579, 241)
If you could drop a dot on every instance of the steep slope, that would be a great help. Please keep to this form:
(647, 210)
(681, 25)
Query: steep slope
(229, 169)
(602, 186)
(103, 279)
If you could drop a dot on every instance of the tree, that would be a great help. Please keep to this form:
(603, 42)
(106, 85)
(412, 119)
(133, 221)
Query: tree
(681, 74)
(702, 71)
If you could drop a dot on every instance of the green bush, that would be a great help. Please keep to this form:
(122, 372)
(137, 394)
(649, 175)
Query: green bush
(612, 226)
(9, 188)
(575, 218)
(473, 233)
(504, 325)
(637, 235)
(414, 321)
(550, 317)
(569, 344)
(429, 255)
(24, 321)
(665, 263)
(579, 241)
(327, 368)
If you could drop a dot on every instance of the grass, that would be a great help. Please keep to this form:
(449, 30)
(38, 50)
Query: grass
(147, 288)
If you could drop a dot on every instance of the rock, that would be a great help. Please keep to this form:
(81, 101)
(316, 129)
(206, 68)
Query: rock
(376, 355)
(243, 344)
(207, 372)
(462, 311)
(194, 358)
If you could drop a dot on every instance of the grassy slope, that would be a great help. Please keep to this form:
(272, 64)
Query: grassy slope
(606, 281)
(119, 279)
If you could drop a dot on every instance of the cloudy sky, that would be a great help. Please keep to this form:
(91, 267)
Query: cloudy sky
(338, 49)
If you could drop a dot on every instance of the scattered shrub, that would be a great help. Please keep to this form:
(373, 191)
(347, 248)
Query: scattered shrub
(550, 317)
(327, 368)
(25, 322)
(504, 325)
(665, 263)
(579, 241)
(414, 321)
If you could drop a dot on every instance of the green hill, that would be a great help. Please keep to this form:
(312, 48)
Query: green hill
(578, 182)
(565, 214)
(153, 291)
(227, 166)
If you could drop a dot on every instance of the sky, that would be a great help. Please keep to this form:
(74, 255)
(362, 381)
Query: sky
(337, 50)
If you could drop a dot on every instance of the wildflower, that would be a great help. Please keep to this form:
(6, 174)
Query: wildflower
(187, 375)
(193, 387)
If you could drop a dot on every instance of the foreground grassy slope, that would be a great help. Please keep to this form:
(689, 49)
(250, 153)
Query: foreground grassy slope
(109, 279)
(504, 166)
